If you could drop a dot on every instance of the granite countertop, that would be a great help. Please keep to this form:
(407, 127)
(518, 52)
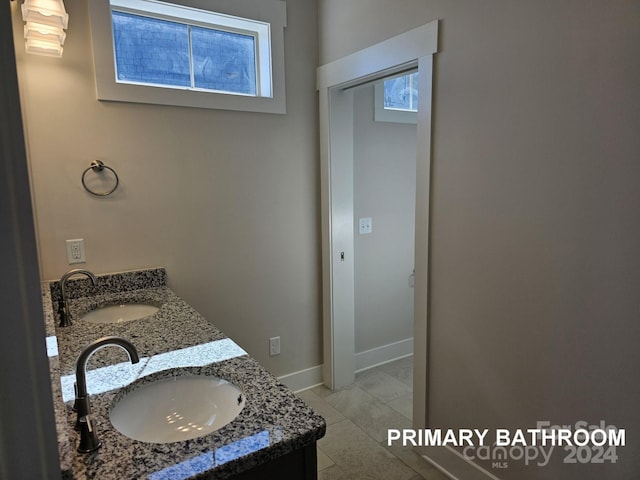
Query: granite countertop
(176, 340)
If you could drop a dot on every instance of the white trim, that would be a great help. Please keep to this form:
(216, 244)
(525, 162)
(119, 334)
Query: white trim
(383, 354)
(184, 15)
(190, 15)
(395, 53)
(312, 377)
(341, 336)
(271, 12)
(303, 379)
(336, 154)
(455, 465)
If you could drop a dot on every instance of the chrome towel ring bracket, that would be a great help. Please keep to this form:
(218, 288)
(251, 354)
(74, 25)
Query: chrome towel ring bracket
(98, 167)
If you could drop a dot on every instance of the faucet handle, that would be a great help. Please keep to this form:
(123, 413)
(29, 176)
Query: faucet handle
(64, 314)
(89, 440)
(82, 409)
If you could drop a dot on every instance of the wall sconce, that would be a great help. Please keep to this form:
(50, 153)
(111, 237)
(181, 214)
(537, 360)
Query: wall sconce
(44, 28)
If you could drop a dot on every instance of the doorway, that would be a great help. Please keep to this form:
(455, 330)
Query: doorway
(384, 174)
(412, 49)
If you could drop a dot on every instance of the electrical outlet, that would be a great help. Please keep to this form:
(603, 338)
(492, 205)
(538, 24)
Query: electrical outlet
(75, 251)
(274, 346)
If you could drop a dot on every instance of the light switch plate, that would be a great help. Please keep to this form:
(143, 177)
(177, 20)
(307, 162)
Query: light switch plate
(365, 225)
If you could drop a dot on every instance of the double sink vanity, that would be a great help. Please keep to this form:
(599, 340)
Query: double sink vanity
(145, 387)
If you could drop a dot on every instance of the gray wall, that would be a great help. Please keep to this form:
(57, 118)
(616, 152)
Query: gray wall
(384, 189)
(535, 253)
(227, 201)
(28, 447)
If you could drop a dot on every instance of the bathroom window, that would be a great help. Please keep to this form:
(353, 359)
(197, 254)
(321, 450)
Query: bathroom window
(396, 99)
(221, 56)
(173, 54)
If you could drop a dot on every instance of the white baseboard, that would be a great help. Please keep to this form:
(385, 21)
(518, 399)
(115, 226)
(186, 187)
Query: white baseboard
(303, 379)
(384, 354)
(454, 465)
(312, 377)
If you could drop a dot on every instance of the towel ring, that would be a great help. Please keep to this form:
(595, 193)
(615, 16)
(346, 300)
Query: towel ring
(98, 166)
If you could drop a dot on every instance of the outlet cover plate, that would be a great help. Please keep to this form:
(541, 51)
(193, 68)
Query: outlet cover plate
(274, 346)
(75, 251)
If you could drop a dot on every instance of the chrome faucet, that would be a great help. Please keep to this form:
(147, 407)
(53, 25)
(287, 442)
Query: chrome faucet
(88, 437)
(65, 315)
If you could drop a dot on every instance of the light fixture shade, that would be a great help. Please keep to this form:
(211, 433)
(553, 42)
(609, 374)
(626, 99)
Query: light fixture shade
(47, 33)
(42, 47)
(47, 12)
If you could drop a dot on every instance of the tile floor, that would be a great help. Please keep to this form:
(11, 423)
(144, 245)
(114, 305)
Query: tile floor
(358, 417)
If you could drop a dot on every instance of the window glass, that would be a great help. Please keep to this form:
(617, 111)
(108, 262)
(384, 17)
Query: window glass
(401, 93)
(223, 61)
(150, 50)
(155, 51)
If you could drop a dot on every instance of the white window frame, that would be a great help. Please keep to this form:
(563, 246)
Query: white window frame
(267, 18)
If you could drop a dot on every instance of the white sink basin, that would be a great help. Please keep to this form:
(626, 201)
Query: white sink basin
(177, 409)
(120, 313)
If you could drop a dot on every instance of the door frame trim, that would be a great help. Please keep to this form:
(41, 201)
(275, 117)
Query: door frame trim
(334, 81)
